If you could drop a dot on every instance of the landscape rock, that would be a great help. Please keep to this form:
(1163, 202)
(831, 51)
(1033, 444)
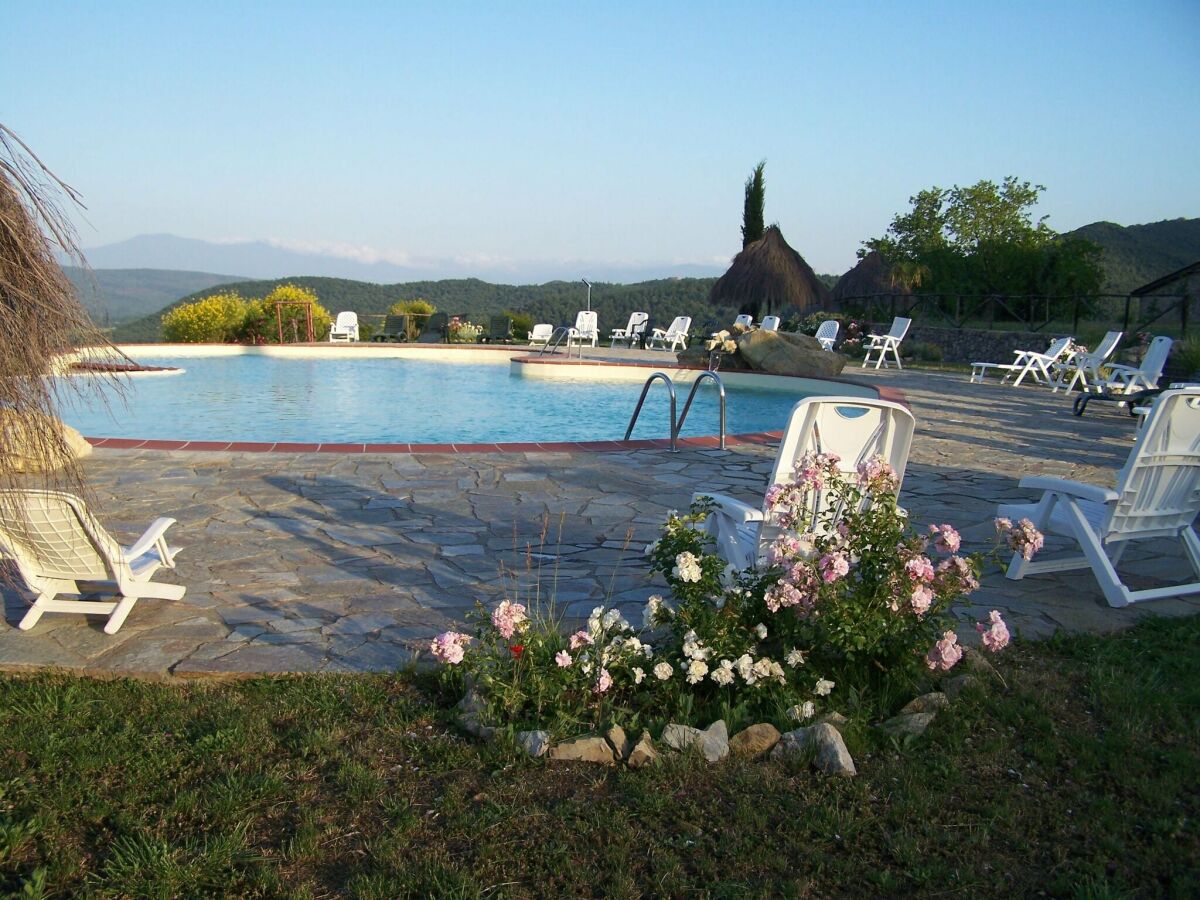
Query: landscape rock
(712, 742)
(621, 743)
(959, 683)
(643, 752)
(908, 723)
(926, 703)
(754, 742)
(832, 757)
(593, 749)
(784, 353)
(22, 434)
(974, 662)
(836, 719)
(535, 743)
(469, 722)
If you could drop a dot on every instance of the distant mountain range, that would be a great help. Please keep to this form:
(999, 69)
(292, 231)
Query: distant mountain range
(1138, 254)
(263, 259)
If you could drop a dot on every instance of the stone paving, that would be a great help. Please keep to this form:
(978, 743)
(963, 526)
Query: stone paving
(351, 562)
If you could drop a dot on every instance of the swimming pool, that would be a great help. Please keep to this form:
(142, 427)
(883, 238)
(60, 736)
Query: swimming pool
(264, 398)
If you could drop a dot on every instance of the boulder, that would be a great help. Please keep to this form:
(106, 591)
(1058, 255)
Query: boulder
(908, 723)
(976, 663)
(784, 353)
(832, 756)
(620, 742)
(592, 749)
(712, 742)
(643, 752)
(926, 703)
(959, 683)
(21, 434)
(754, 742)
(535, 743)
(836, 719)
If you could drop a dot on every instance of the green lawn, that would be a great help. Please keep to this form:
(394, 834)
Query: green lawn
(1080, 778)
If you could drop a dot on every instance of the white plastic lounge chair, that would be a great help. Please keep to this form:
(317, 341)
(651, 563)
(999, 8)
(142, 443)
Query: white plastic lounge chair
(1026, 363)
(827, 333)
(632, 331)
(769, 323)
(1157, 495)
(745, 320)
(586, 329)
(57, 544)
(541, 334)
(1084, 366)
(883, 343)
(1127, 379)
(676, 335)
(345, 328)
(854, 428)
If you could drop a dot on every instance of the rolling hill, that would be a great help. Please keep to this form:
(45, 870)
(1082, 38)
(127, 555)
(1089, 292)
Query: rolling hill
(113, 296)
(1137, 254)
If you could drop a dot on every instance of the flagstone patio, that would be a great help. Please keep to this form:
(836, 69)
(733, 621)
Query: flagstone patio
(352, 562)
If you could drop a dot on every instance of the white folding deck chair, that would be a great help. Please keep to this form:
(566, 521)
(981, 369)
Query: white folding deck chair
(345, 328)
(769, 323)
(1029, 363)
(827, 333)
(541, 334)
(1084, 366)
(854, 428)
(887, 342)
(57, 545)
(586, 329)
(632, 331)
(676, 335)
(1157, 496)
(1127, 379)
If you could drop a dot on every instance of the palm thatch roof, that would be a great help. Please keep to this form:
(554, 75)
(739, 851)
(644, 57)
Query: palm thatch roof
(872, 275)
(768, 275)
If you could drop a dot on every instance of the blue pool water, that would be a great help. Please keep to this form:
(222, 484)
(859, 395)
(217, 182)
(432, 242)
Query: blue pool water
(396, 400)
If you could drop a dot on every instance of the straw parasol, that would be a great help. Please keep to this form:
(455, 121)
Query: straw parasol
(768, 275)
(872, 275)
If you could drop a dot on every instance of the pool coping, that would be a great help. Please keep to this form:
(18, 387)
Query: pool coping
(703, 442)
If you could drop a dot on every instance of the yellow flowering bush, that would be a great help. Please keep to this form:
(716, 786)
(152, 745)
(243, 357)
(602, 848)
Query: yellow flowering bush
(261, 326)
(218, 318)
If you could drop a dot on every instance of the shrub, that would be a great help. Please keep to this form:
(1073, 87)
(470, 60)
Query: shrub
(412, 307)
(924, 351)
(461, 331)
(522, 324)
(218, 318)
(1187, 354)
(262, 326)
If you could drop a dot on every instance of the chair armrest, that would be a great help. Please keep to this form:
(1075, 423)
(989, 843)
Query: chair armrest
(1074, 488)
(734, 509)
(153, 535)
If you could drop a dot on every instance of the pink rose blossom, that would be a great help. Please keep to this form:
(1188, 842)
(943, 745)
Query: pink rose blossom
(922, 599)
(508, 617)
(960, 568)
(945, 538)
(448, 647)
(604, 682)
(833, 567)
(581, 639)
(563, 658)
(945, 654)
(919, 568)
(1023, 538)
(995, 636)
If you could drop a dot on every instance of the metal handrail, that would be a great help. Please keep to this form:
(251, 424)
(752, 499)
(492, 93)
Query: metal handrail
(556, 339)
(670, 387)
(692, 395)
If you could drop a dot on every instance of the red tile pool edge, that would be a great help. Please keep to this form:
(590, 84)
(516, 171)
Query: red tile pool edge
(706, 442)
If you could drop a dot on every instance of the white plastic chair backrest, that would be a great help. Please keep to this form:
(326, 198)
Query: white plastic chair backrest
(855, 428)
(543, 331)
(586, 322)
(745, 320)
(1155, 358)
(347, 321)
(1058, 347)
(828, 330)
(1159, 487)
(769, 323)
(52, 535)
(679, 327)
(1106, 347)
(899, 328)
(637, 323)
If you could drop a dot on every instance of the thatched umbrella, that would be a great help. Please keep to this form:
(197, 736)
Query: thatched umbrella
(40, 317)
(872, 275)
(768, 275)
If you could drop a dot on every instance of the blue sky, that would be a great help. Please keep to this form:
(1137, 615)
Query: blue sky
(577, 132)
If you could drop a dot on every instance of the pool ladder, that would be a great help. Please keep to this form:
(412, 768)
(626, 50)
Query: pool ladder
(677, 424)
(561, 333)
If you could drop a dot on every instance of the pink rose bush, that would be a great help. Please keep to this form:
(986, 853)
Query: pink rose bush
(1022, 538)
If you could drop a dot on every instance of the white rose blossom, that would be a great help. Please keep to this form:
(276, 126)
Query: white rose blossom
(823, 688)
(687, 567)
(794, 658)
(761, 630)
(696, 671)
(723, 674)
(663, 671)
(638, 675)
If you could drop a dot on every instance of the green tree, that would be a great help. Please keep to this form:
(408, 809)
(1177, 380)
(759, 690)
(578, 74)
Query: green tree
(753, 225)
(983, 239)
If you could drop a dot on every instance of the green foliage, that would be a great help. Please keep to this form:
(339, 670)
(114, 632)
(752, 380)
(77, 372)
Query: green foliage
(112, 296)
(923, 351)
(1187, 353)
(218, 318)
(522, 324)
(1138, 254)
(263, 318)
(982, 239)
(416, 307)
(753, 224)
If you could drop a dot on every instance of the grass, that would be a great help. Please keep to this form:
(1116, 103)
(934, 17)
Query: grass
(1081, 778)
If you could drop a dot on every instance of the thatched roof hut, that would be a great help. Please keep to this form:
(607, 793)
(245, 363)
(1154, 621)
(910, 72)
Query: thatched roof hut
(767, 276)
(872, 275)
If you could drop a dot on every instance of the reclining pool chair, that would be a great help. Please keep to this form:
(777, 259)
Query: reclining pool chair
(436, 330)
(885, 343)
(395, 328)
(1084, 367)
(586, 329)
(1032, 363)
(540, 334)
(57, 544)
(499, 331)
(854, 428)
(632, 332)
(769, 323)
(827, 333)
(676, 335)
(1127, 379)
(344, 328)
(1157, 495)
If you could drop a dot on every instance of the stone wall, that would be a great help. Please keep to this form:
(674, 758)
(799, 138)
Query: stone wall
(966, 346)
